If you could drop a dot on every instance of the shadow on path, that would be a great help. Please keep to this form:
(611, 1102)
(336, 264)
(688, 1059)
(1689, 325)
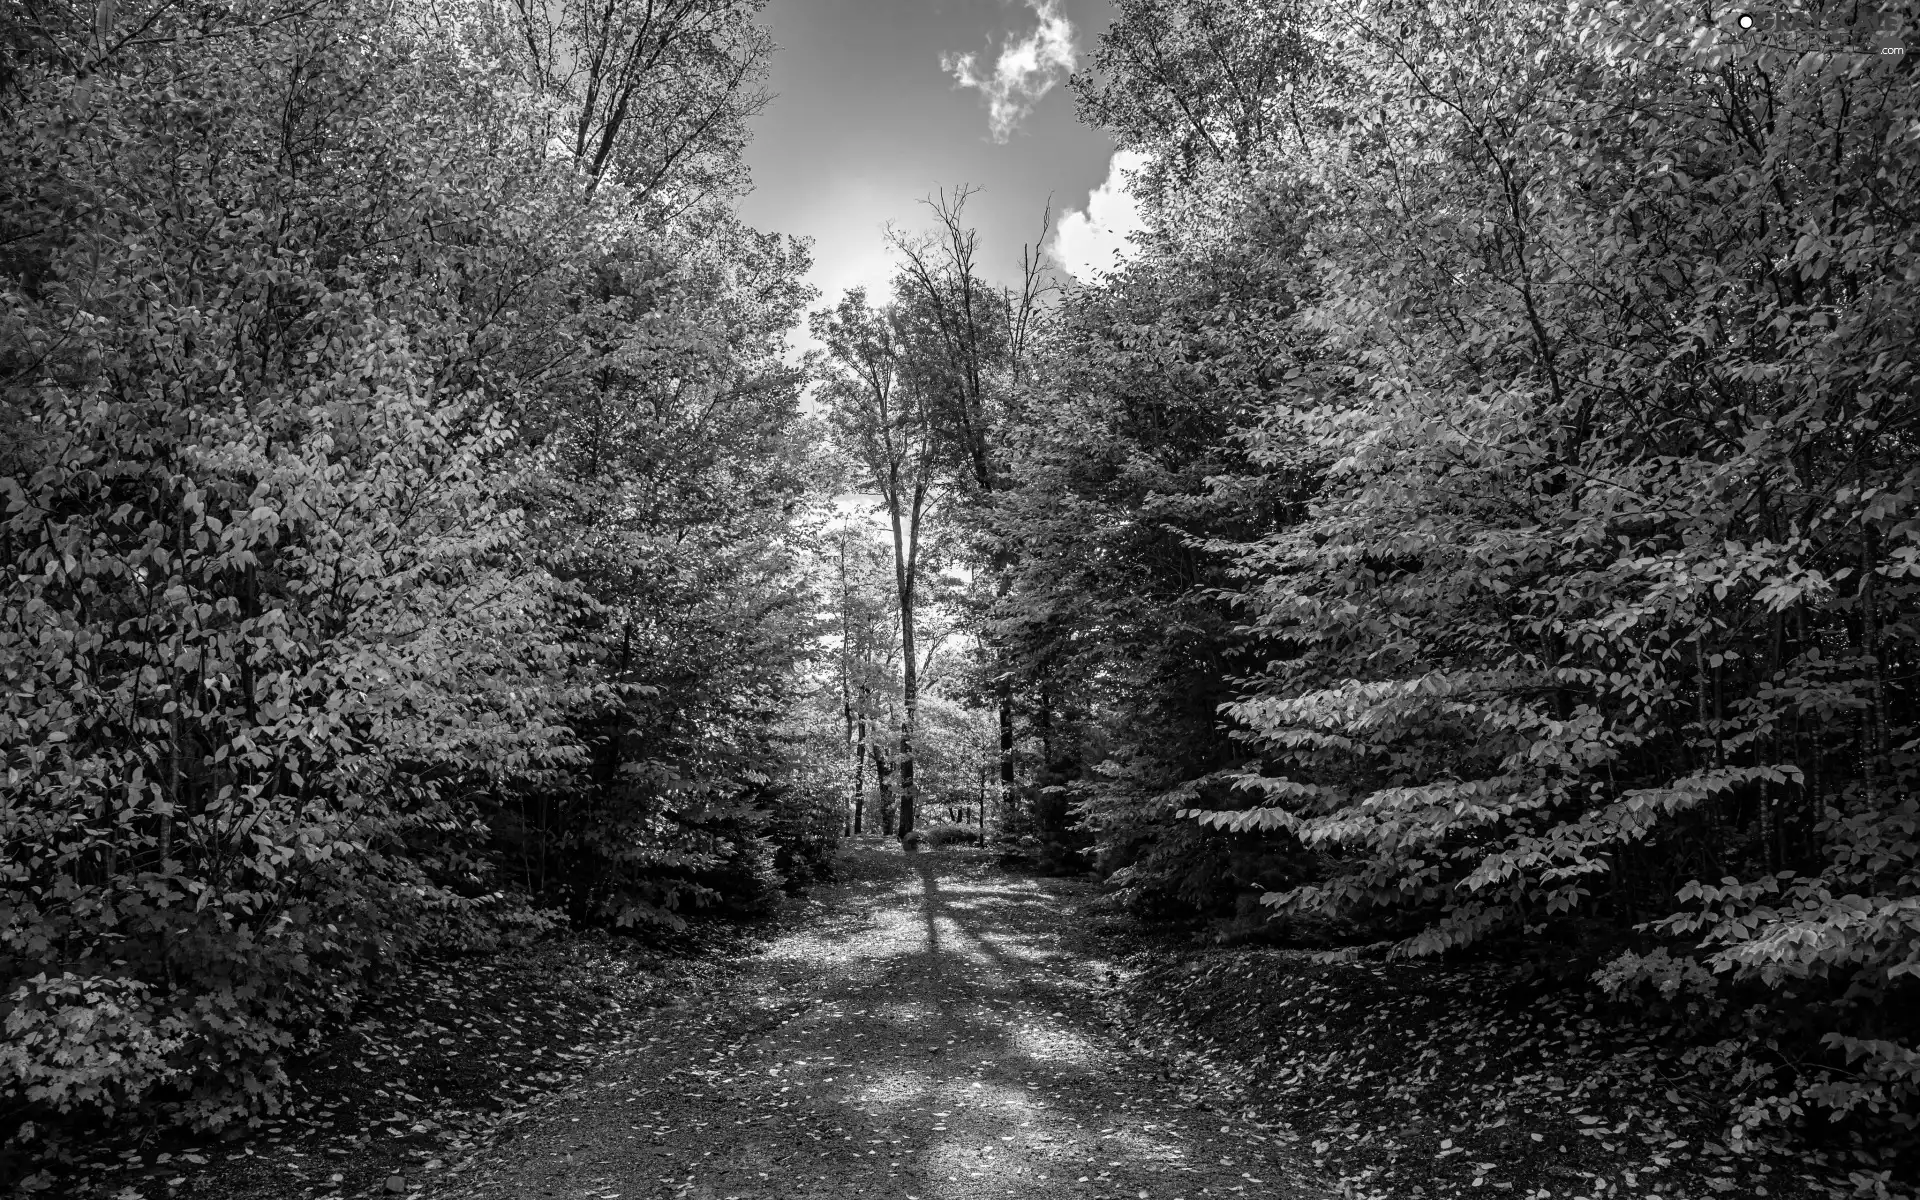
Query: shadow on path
(933, 1034)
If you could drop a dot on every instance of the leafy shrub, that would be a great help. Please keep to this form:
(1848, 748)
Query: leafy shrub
(75, 1042)
(805, 831)
(452, 924)
(1828, 963)
(944, 834)
(746, 881)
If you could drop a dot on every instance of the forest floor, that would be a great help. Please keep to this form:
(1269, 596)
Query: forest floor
(936, 1033)
(447, 1057)
(1430, 1080)
(934, 1027)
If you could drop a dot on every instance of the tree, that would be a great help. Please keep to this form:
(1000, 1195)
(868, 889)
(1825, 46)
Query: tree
(1206, 83)
(869, 631)
(1114, 621)
(654, 95)
(392, 524)
(1598, 379)
(884, 419)
(970, 344)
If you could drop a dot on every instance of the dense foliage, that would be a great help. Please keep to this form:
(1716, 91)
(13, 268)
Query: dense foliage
(1481, 517)
(1534, 384)
(403, 502)
(1114, 620)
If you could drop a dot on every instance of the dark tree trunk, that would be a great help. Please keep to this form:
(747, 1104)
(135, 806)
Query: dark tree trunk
(1008, 797)
(860, 780)
(882, 778)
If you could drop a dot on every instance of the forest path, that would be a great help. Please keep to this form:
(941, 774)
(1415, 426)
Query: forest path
(931, 1033)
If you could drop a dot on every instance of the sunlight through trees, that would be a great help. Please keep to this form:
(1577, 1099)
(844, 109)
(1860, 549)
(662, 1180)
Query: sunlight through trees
(1475, 522)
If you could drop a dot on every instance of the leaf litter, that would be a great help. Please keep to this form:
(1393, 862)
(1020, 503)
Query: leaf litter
(1425, 1081)
(452, 1053)
(735, 1077)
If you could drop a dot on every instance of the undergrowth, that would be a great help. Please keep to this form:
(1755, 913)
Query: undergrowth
(1427, 1080)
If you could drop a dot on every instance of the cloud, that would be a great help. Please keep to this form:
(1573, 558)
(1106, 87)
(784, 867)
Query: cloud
(1025, 70)
(1091, 240)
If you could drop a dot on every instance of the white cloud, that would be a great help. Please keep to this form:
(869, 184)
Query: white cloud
(1025, 70)
(1091, 240)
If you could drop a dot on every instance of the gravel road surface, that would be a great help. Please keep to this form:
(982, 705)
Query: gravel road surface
(931, 1031)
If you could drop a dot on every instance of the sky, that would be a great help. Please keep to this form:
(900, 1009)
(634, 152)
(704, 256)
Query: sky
(880, 103)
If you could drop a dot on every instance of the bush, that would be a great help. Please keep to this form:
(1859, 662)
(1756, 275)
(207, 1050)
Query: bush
(86, 1041)
(947, 833)
(805, 831)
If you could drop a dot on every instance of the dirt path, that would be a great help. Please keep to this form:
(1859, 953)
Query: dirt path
(931, 1035)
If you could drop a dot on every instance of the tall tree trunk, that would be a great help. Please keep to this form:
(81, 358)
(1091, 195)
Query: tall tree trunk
(906, 559)
(910, 710)
(846, 693)
(859, 780)
(1879, 748)
(1007, 792)
(883, 781)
